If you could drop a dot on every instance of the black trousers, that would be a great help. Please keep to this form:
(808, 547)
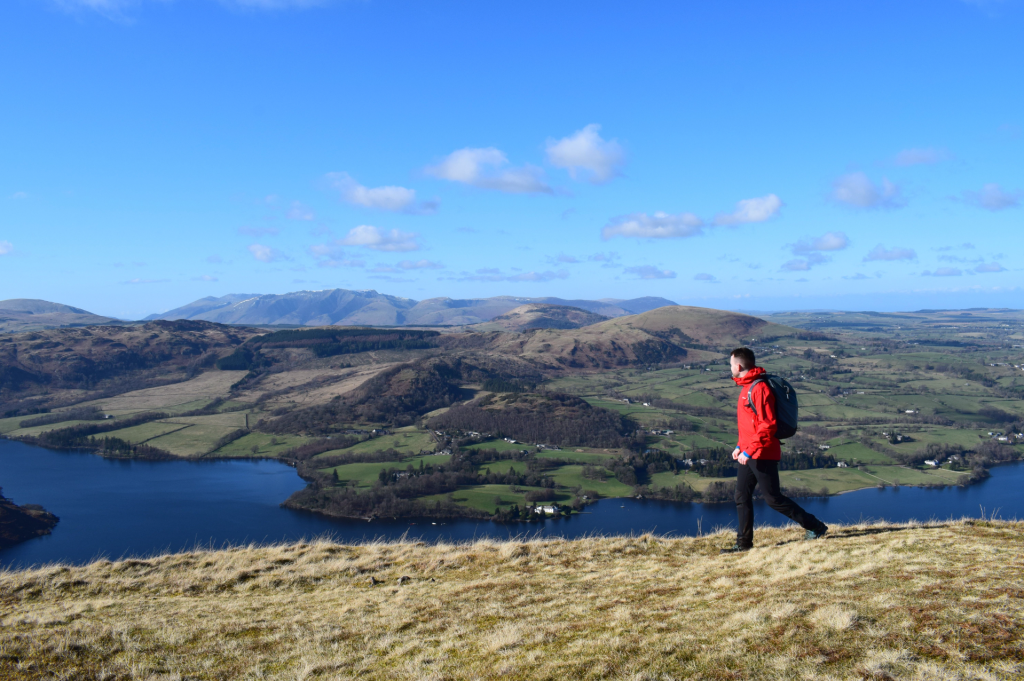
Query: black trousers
(765, 474)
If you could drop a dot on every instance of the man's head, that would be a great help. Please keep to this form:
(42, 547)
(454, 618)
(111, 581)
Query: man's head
(741, 361)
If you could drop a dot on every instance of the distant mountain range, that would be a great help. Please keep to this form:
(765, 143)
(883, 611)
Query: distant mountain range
(26, 314)
(370, 308)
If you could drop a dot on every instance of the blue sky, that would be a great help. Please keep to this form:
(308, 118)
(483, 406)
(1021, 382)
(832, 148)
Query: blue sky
(740, 155)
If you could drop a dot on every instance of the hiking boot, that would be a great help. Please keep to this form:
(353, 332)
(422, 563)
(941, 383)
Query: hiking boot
(818, 532)
(735, 548)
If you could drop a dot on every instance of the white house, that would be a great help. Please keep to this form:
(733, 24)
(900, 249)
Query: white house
(841, 464)
(931, 462)
(824, 446)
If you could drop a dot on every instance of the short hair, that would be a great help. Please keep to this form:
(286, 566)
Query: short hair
(745, 356)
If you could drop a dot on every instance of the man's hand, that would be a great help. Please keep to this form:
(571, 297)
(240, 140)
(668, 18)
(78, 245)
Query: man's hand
(740, 457)
(736, 454)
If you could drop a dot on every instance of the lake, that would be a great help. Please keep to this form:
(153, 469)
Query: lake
(113, 508)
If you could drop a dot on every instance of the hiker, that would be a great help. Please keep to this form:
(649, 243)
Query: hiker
(758, 452)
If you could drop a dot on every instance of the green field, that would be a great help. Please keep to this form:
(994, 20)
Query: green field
(365, 474)
(267, 445)
(146, 431)
(191, 441)
(596, 458)
(500, 445)
(406, 441)
(35, 430)
(572, 476)
(484, 497)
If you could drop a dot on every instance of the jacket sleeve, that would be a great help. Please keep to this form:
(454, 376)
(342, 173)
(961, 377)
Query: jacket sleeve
(766, 421)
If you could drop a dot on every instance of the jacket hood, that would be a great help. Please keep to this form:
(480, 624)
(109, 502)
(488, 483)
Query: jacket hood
(750, 376)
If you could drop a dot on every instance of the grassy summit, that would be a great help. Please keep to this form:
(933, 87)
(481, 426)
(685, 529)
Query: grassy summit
(928, 601)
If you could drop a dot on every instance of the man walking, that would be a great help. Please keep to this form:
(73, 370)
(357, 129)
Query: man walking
(758, 453)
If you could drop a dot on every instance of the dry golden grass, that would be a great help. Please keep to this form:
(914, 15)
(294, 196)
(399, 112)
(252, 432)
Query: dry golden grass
(917, 601)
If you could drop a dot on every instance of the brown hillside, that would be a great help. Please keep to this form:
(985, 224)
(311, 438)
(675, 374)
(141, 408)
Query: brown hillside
(703, 325)
(99, 357)
(541, 316)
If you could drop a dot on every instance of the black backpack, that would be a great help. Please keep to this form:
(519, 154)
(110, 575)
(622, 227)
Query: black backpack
(785, 404)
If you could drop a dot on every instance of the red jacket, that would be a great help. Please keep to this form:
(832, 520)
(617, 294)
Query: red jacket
(757, 432)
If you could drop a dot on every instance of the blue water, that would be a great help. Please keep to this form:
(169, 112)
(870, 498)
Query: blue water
(112, 508)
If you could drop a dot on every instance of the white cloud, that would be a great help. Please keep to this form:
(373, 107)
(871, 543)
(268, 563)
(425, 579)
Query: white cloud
(704, 276)
(266, 253)
(333, 255)
(205, 277)
(751, 210)
(858, 191)
(916, 157)
(585, 150)
(857, 277)
(6, 247)
(485, 168)
(830, 241)
(391, 198)
(994, 197)
(880, 252)
(804, 264)
(378, 239)
(657, 226)
(987, 267)
(943, 272)
(650, 272)
(568, 259)
(420, 265)
(300, 212)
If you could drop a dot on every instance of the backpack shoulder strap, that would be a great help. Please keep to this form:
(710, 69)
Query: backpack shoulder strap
(750, 389)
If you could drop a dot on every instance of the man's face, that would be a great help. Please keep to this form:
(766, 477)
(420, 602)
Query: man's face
(734, 365)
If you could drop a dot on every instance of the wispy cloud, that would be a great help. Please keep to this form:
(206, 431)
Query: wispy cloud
(858, 277)
(993, 197)
(751, 210)
(419, 265)
(987, 267)
(390, 198)
(17, 196)
(858, 191)
(146, 281)
(333, 255)
(118, 9)
(804, 264)
(205, 277)
(704, 276)
(486, 168)
(880, 252)
(495, 274)
(266, 253)
(6, 247)
(657, 226)
(829, 241)
(300, 212)
(943, 272)
(378, 239)
(812, 248)
(258, 231)
(917, 157)
(649, 272)
(586, 150)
